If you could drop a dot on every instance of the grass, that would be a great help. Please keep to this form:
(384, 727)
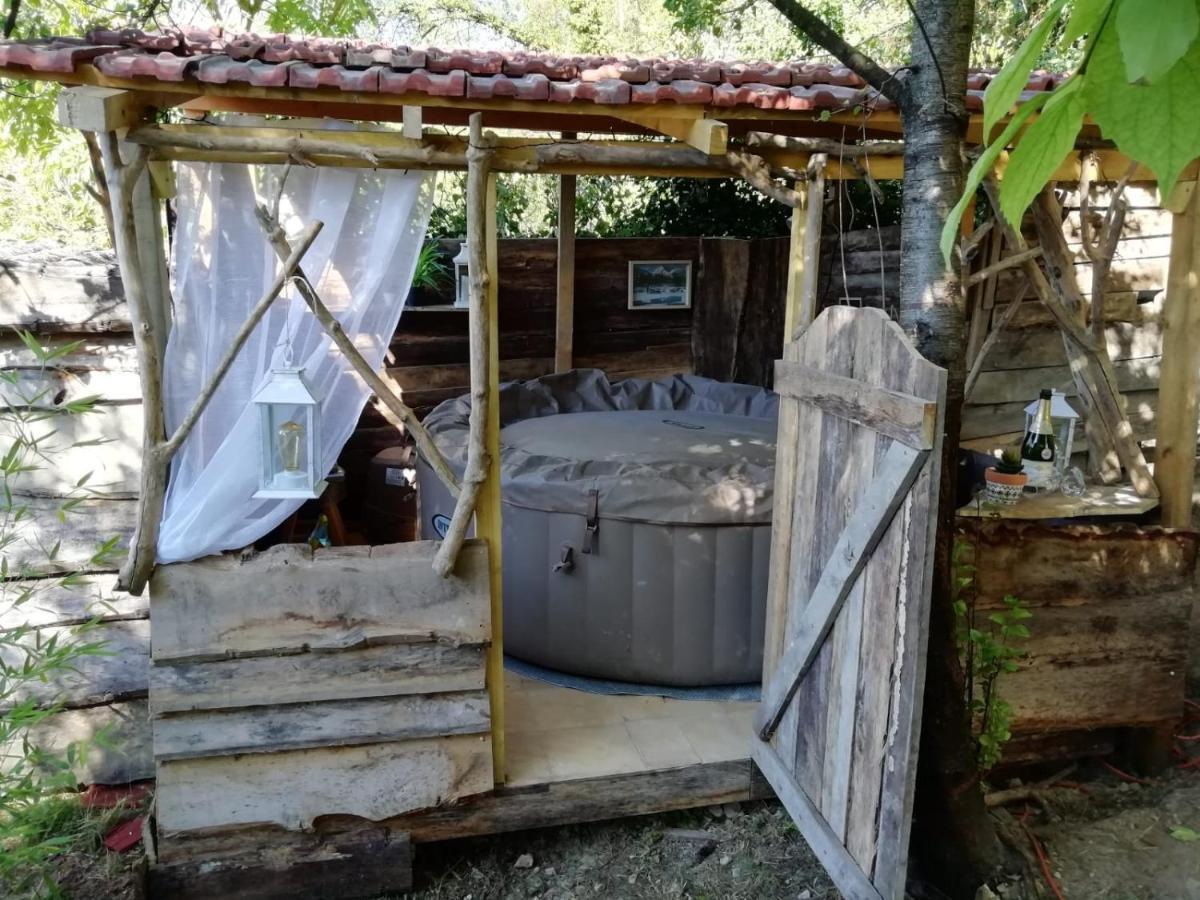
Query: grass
(68, 838)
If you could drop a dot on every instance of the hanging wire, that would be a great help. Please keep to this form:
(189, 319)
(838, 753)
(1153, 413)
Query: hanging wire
(878, 231)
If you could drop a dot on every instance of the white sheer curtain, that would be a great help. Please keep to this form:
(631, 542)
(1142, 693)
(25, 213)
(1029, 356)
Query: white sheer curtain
(362, 266)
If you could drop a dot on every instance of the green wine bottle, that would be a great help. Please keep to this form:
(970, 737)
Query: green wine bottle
(1037, 449)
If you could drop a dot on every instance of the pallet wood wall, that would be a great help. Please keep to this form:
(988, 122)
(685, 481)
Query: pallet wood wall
(863, 268)
(1111, 604)
(65, 296)
(293, 684)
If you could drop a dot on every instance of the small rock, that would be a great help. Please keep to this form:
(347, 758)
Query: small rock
(805, 894)
(717, 812)
(726, 860)
(524, 861)
(732, 809)
(985, 893)
(549, 871)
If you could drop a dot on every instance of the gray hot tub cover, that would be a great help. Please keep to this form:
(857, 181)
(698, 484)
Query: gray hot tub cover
(733, 489)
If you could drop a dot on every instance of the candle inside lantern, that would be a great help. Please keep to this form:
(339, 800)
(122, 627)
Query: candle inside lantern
(290, 440)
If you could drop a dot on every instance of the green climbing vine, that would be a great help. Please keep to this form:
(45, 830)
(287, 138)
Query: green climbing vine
(990, 647)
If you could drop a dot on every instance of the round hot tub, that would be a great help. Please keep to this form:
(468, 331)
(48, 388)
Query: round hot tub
(636, 523)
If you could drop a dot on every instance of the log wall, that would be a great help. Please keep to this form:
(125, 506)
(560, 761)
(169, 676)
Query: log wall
(293, 684)
(1111, 604)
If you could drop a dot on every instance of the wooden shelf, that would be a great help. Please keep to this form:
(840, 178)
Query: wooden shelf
(1105, 500)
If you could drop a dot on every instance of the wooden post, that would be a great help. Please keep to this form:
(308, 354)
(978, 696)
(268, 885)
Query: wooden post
(804, 254)
(479, 157)
(122, 179)
(1175, 453)
(487, 512)
(564, 325)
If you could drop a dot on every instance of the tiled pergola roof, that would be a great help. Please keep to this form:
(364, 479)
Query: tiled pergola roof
(277, 61)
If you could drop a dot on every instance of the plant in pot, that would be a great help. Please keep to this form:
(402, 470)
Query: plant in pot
(1006, 480)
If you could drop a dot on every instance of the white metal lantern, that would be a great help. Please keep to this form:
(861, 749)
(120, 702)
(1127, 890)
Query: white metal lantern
(462, 278)
(289, 416)
(1063, 418)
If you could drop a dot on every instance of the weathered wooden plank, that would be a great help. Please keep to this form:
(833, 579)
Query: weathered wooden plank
(302, 726)
(104, 444)
(1119, 306)
(124, 755)
(900, 416)
(507, 809)
(106, 354)
(872, 515)
(44, 292)
(1042, 346)
(718, 300)
(1022, 385)
(845, 638)
(47, 388)
(386, 671)
(118, 671)
(361, 864)
(287, 599)
(913, 589)
(801, 572)
(984, 420)
(51, 603)
(842, 868)
(88, 525)
(375, 781)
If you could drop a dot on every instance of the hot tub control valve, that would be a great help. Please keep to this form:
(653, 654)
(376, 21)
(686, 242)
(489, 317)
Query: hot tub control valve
(567, 563)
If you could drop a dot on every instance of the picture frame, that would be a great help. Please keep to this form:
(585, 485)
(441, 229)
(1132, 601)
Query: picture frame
(660, 284)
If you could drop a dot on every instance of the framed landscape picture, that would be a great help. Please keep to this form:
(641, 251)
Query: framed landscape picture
(660, 284)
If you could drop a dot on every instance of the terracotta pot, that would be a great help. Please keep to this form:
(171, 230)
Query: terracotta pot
(1004, 488)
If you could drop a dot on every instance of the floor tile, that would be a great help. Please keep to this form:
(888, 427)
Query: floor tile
(591, 751)
(717, 738)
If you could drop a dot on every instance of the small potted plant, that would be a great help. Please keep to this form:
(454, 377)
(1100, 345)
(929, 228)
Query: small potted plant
(1006, 480)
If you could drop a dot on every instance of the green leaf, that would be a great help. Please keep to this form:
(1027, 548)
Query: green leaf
(1086, 17)
(1042, 148)
(1154, 35)
(983, 165)
(1156, 123)
(1183, 833)
(1005, 89)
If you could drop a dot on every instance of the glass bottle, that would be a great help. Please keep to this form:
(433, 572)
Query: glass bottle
(1037, 449)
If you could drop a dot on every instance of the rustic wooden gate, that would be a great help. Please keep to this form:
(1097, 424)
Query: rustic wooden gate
(855, 498)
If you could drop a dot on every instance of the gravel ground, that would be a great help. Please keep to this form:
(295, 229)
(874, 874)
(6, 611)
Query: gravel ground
(723, 853)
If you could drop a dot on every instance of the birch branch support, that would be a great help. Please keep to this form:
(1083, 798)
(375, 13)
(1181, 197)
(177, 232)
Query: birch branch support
(1016, 259)
(120, 179)
(1091, 368)
(290, 266)
(385, 388)
(478, 160)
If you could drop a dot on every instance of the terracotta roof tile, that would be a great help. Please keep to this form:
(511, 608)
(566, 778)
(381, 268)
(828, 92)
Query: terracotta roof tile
(450, 84)
(214, 56)
(683, 91)
(53, 55)
(304, 75)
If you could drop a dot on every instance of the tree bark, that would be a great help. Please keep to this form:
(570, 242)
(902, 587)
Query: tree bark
(954, 840)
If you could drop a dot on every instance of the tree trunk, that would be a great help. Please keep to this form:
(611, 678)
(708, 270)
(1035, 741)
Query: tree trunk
(954, 840)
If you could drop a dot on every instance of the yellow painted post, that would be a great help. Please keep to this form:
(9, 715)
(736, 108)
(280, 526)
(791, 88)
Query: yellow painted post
(487, 511)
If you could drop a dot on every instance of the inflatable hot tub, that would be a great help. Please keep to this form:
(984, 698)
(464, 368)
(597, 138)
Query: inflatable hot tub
(636, 523)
